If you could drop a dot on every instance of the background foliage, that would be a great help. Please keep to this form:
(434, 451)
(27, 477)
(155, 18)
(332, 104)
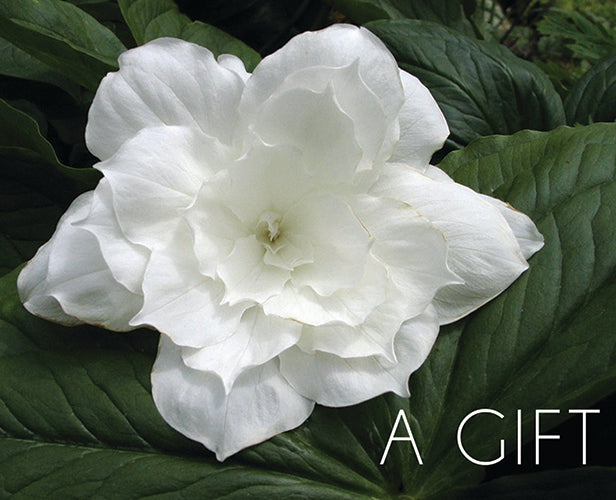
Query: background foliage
(76, 415)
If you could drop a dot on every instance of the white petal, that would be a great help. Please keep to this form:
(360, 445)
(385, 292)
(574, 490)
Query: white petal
(423, 128)
(215, 229)
(340, 243)
(126, 260)
(373, 337)
(155, 176)
(314, 123)
(260, 405)
(246, 276)
(374, 130)
(413, 250)
(164, 82)
(266, 179)
(181, 302)
(234, 64)
(69, 270)
(337, 46)
(483, 250)
(333, 381)
(524, 229)
(258, 339)
(350, 306)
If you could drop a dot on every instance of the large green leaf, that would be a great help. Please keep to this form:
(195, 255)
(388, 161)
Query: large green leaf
(35, 187)
(548, 341)
(61, 36)
(18, 63)
(481, 87)
(593, 98)
(77, 419)
(150, 19)
(446, 12)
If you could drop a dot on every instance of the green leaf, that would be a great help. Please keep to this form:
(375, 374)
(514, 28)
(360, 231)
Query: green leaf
(481, 87)
(446, 12)
(63, 37)
(548, 341)
(35, 187)
(576, 484)
(17, 63)
(150, 19)
(593, 97)
(76, 415)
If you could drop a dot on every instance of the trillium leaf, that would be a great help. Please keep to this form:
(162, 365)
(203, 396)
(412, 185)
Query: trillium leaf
(148, 20)
(61, 36)
(481, 87)
(18, 63)
(446, 12)
(593, 97)
(36, 187)
(546, 342)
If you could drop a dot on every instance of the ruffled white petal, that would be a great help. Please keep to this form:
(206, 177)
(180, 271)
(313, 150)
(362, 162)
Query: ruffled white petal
(126, 260)
(350, 306)
(247, 277)
(414, 251)
(260, 405)
(258, 339)
(235, 64)
(333, 381)
(339, 241)
(374, 130)
(181, 302)
(313, 123)
(65, 285)
(338, 46)
(164, 82)
(423, 128)
(483, 250)
(155, 176)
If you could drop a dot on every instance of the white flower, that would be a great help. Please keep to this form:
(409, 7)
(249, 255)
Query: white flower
(282, 230)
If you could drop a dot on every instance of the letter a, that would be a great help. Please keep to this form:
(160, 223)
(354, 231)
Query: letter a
(392, 437)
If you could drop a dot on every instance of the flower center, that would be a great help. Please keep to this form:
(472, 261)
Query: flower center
(268, 227)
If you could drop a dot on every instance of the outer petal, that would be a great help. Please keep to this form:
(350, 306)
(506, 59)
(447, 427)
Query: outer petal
(258, 339)
(68, 280)
(423, 128)
(483, 250)
(158, 84)
(334, 381)
(181, 302)
(126, 260)
(524, 229)
(413, 250)
(260, 405)
(155, 175)
(338, 46)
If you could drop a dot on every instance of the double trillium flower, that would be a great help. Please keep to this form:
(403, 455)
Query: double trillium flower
(283, 231)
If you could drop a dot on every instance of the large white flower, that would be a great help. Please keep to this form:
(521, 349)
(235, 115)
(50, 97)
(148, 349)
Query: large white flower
(282, 230)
